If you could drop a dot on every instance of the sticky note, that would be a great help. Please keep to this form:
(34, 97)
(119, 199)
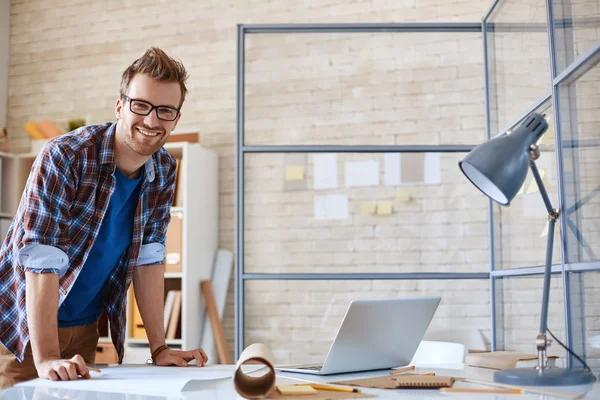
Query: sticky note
(291, 390)
(294, 173)
(368, 207)
(403, 197)
(522, 190)
(384, 208)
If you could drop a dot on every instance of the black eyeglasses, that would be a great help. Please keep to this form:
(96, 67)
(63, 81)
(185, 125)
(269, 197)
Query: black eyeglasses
(141, 107)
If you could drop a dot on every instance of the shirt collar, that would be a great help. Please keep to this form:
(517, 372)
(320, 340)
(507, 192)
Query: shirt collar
(107, 153)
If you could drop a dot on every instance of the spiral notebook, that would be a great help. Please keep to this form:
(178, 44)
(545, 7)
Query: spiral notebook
(407, 381)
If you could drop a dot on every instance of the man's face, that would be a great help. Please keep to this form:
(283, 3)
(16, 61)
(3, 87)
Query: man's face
(145, 135)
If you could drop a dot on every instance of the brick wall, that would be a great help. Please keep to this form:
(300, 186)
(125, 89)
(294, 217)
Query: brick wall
(66, 59)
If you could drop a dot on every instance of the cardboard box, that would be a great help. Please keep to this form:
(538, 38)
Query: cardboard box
(106, 354)
(173, 244)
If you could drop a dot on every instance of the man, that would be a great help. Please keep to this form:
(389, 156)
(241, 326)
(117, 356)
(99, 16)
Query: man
(93, 218)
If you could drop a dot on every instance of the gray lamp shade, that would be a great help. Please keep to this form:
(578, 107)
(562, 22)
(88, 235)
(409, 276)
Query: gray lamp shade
(499, 166)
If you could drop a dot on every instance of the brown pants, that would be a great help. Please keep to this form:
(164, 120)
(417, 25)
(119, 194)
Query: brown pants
(81, 340)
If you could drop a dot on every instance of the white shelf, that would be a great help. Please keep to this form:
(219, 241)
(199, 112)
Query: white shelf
(199, 193)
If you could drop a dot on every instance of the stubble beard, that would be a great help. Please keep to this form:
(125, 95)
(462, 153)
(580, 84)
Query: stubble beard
(142, 149)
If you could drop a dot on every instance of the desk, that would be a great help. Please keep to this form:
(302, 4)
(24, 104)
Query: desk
(223, 389)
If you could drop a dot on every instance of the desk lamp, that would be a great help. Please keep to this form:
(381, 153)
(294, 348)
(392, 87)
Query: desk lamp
(498, 168)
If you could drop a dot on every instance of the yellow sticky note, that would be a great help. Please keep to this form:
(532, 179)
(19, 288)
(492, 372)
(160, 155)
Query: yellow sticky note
(294, 173)
(368, 207)
(403, 197)
(533, 187)
(291, 390)
(384, 208)
(522, 190)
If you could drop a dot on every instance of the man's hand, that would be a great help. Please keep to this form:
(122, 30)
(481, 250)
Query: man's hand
(63, 370)
(181, 358)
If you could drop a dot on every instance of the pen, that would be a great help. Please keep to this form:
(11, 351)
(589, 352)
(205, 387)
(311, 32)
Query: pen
(401, 370)
(93, 369)
(335, 388)
(475, 390)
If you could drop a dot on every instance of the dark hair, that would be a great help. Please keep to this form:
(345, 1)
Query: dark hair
(156, 64)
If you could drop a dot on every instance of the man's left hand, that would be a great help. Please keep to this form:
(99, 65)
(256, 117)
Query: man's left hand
(181, 358)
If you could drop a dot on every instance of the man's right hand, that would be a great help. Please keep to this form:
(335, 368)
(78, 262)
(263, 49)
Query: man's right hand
(63, 370)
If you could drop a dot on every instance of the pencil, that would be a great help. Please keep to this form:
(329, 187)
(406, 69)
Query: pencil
(93, 369)
(401, 370)
(335, 388)
(476, 390)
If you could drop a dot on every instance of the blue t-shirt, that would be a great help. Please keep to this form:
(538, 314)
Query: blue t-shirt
(83, 304)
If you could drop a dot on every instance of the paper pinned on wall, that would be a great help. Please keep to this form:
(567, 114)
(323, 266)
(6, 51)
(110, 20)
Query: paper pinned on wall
(412, 167)
(294, 177)
(533, 206)
(325, 171)
(533, 187)
(368, 207)
(362, 173)
(294, 173)
(432, 169)
(384, 208)
(391, 167)
(522, 190)
(332, 207)
(403, 197)
(547, 228)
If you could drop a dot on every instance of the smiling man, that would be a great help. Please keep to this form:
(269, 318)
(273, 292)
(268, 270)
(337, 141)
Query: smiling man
(92, 219)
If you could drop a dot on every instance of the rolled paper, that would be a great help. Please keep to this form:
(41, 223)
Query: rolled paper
(255, 387)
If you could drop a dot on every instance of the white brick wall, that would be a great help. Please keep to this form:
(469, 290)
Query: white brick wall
(66, 60)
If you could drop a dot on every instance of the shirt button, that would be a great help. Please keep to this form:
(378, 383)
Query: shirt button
(90, 242)
(99, 216)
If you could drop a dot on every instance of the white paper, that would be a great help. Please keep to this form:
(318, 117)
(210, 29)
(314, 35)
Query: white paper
(333, 207)
(391, 166)
(362, 173)
(432, 169)
(325, 171)
(146, 379)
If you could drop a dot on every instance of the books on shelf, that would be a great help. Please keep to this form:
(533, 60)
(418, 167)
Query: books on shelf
(505, 360)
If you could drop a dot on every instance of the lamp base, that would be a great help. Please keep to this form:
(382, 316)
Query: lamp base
(549, 377)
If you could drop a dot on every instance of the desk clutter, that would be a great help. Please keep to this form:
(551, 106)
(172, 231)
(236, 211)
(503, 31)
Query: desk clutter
(406, 381)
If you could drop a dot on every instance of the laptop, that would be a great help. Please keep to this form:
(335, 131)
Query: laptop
(375, 334)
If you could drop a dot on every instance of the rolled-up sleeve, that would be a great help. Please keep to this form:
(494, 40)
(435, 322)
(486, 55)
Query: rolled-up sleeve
(46, 214)
(153, 247)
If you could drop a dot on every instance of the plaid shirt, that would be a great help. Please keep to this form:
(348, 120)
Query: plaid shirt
(59, 217)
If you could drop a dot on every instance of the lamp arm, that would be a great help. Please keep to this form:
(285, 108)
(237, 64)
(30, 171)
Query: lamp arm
(542, 342)
(540, 184)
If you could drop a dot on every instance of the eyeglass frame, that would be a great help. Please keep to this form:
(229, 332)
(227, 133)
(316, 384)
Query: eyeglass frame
(152, 108)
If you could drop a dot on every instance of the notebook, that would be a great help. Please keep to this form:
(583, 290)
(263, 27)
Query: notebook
(402, 382)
